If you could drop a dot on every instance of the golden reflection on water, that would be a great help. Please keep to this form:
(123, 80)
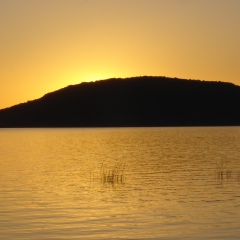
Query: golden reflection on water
(52, 185)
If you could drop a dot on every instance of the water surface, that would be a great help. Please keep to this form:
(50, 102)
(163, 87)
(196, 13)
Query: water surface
(178, 183)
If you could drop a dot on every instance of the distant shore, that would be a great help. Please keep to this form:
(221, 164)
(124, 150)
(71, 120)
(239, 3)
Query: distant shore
(131, 102)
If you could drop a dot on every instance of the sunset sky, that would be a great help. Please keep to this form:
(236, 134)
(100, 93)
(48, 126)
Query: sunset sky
(49, 44)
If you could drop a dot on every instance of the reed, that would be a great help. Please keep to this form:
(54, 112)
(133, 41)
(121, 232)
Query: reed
(114, 174)
(223, 171)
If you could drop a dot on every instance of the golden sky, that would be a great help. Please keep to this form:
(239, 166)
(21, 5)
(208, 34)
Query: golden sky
(49, 44)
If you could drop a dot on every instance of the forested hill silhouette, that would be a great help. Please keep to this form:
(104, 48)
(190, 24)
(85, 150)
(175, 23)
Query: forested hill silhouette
(137, 101)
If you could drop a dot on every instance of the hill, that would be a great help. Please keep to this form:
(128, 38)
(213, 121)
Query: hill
(137, 101)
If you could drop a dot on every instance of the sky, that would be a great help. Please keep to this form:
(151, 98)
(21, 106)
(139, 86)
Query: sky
(46, 45)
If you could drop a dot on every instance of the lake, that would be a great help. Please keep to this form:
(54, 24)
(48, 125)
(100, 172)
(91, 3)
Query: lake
(120, 183)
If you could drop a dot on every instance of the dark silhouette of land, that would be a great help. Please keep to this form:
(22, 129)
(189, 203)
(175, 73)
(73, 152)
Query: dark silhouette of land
(137, 101)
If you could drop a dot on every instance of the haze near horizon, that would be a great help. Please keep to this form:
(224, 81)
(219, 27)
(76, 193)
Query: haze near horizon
(49, 44)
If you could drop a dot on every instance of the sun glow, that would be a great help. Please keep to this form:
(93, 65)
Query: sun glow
(94, 77)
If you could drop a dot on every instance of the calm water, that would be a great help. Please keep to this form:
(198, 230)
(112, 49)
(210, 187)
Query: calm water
(178, 183)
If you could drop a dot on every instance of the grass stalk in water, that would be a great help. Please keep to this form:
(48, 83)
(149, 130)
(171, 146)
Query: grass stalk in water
(112, 175)
(223, 171)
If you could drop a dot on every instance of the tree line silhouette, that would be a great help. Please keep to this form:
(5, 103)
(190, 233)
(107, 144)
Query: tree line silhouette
(136, 101)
